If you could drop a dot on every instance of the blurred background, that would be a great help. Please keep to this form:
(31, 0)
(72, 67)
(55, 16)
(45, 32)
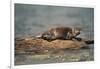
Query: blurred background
(33, 19)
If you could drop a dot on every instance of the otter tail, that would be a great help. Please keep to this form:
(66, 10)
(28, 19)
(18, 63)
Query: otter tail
(89, 42)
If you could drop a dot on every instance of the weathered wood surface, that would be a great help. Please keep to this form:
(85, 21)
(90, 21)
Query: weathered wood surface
(40, 45)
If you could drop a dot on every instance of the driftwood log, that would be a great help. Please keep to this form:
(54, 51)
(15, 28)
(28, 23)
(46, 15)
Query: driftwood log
(35, 45)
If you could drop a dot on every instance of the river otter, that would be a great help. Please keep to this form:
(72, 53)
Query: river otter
(60, 33)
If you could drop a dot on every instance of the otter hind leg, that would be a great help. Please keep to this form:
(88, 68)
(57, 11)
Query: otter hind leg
(68, 36)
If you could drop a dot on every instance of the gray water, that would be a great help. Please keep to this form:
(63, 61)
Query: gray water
(33, 19)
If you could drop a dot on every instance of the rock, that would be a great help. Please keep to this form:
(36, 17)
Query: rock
(41, 45)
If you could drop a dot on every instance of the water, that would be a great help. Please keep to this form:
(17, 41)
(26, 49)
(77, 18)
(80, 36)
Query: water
(56, 57)
(33, 19)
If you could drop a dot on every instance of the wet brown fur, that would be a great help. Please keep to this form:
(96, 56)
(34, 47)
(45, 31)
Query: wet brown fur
(60, 33)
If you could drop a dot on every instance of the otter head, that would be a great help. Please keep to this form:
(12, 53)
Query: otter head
(48, 35)
(45, 35)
